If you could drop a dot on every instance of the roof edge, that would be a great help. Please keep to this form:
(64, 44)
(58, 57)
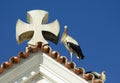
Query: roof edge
(53, 54)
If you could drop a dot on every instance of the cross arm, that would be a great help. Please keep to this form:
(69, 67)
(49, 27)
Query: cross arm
(51, 31)
(23, 31)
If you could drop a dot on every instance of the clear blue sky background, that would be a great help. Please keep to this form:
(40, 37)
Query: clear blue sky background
(95, 24)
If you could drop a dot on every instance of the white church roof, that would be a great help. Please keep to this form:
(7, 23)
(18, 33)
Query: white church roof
(39, 64)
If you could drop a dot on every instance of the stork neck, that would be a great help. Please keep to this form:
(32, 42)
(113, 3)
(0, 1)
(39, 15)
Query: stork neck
(103, 77)
(64, 35)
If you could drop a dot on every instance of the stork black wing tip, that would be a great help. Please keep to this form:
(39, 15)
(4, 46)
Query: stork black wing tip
(88, 72)
(81, 57)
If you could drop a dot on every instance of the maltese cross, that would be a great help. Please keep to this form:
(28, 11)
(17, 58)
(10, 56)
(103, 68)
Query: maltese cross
(36, 30)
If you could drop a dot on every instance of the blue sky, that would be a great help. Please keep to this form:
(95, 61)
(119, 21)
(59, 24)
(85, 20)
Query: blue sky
(95, 24)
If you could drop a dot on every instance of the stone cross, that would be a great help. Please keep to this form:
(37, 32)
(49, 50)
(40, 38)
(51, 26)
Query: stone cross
(36, 30)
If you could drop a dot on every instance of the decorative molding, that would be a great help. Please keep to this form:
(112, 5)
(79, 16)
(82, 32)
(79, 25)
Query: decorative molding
(40, 64)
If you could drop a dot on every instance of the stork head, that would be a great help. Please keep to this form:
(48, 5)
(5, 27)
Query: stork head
(65, 28)
(64, 34)
(103, 75)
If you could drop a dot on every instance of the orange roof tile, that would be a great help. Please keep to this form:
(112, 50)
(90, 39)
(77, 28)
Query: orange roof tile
(53, 54)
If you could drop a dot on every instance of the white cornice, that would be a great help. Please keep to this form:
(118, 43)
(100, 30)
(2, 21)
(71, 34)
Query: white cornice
(40, 64)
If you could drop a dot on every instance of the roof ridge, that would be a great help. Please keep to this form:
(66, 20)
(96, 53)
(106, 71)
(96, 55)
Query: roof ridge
(53, 54)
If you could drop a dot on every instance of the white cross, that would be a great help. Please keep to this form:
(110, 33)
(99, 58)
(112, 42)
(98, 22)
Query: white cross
(34, 30)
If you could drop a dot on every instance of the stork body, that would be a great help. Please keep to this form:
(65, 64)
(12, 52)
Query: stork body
(97, 75)
(71, 45)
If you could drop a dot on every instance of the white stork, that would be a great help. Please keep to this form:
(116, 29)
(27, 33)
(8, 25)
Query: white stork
(71, 44)
(97, 75)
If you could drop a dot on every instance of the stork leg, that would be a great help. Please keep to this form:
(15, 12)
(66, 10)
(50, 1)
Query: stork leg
(71, 55)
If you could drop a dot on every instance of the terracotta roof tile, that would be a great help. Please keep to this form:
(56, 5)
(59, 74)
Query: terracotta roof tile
(53, 54)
